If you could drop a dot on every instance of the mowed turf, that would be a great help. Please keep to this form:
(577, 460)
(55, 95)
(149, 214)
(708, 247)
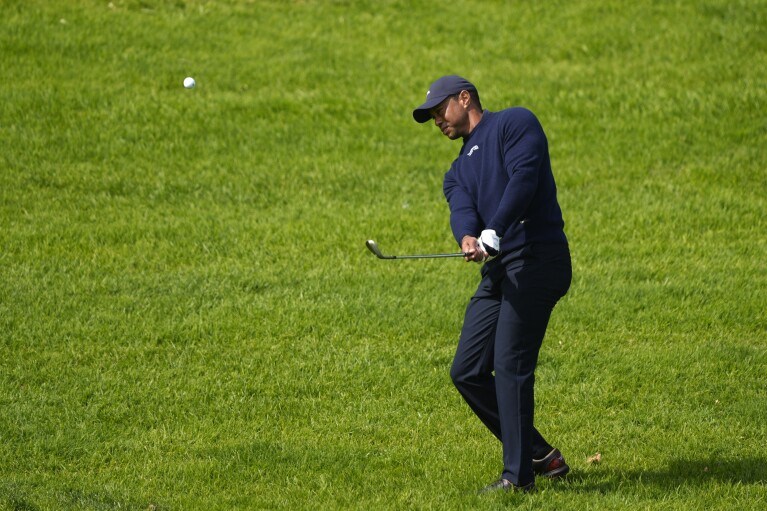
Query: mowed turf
(189, 318)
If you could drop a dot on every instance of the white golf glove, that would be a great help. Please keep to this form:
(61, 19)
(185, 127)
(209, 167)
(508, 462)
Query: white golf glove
(490, 243)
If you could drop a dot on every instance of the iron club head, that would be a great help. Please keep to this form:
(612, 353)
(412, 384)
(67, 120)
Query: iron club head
(374, 248)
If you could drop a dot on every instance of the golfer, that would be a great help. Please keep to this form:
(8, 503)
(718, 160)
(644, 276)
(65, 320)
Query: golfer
(503, 213)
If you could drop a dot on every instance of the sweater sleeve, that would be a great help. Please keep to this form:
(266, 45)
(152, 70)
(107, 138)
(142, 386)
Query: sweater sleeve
(464, 219)
(524, 147)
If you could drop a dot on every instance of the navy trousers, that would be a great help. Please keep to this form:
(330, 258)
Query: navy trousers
(504, 326)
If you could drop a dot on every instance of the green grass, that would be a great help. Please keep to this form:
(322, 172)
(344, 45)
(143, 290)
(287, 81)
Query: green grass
(189, 318)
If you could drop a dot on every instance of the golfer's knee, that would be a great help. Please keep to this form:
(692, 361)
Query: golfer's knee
(459, 374)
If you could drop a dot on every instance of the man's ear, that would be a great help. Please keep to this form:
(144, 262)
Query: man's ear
(464, 98)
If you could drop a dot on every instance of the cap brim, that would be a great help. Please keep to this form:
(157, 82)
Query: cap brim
(422, 114)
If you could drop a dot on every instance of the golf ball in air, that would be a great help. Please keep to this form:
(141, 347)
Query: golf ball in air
(189, 82)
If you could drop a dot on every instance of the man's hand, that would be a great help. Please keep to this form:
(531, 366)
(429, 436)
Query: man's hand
(489, 243)
(470, 247)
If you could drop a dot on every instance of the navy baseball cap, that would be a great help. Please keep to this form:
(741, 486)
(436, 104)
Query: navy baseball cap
(439, 90)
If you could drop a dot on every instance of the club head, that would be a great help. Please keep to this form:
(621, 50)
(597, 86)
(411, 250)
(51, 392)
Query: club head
(374, 248)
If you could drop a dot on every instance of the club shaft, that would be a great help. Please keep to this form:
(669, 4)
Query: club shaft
(377, 251)
(424, 256)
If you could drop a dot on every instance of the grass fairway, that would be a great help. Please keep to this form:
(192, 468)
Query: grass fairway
(189, 318)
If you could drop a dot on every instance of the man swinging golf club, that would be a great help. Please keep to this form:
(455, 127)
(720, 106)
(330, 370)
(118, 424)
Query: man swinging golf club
(503, 213)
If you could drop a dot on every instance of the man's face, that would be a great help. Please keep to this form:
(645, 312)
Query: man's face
(451, 117)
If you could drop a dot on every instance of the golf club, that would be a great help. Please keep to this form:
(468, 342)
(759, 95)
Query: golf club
(377, 251)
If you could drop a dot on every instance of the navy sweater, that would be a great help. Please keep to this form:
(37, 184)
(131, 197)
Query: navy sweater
(502, 180)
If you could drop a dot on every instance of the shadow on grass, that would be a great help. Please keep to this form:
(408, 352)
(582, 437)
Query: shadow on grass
(20, 497)
(677, 473)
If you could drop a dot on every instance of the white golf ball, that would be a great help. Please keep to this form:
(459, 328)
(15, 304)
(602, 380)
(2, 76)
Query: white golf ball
(189, 82)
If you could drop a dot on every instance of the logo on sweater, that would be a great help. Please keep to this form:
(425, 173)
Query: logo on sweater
(475, 148)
